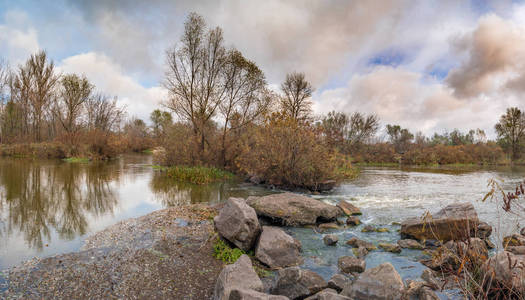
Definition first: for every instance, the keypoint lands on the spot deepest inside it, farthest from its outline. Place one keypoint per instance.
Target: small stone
(360, 252)
(356, 243)
(490, 245)
(353, 221)
(382, 229)
(428, 276)
(410, 244)
(394, 248)
(349, 264)
(338, 282)
(368, 228)
(483, 231)
(330, 239)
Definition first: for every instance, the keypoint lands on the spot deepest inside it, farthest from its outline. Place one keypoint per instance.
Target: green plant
(223, 251)
(197, 174)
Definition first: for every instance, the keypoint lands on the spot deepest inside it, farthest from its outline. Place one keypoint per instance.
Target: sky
(430, 66)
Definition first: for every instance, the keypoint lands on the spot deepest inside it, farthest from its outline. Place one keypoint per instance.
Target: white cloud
(110, 79)
(18, 39)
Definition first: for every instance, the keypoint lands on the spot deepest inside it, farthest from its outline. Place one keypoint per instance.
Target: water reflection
(38, 197)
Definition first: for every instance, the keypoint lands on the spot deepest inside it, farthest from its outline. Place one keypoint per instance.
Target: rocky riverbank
(169, 254)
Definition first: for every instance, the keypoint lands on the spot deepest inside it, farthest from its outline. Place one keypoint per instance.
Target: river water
(49, 206)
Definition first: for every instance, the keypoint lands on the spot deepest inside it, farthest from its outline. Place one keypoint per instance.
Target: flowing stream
(49, 207)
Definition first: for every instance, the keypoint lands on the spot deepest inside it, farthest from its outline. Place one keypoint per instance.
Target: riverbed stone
(353, 221)
(277, 249)
(394, 248)
(237, 222)
(330, 239)
(328, 294)
(246, 294)
(454, 253)
(356, 243)
(506, 270)
(360, 252)
(430, 279)
(410, 244)
(338, 282)
(349, 264)
(239, 275)
(418, 290)
(331, 225)
(293, 209)
(348, 208)
(483, 231)
(453, 222)
(297, 283)
(381, 282)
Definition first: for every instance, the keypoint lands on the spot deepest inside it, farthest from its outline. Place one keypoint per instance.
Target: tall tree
(511, 130)
(246, 97)
(399, 137)
(74, 92)
(161, 121)
(193, 76)
(343, 130)
(295, 102)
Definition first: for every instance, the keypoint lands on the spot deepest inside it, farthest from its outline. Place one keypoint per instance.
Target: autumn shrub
(37, 150)
(288, 153)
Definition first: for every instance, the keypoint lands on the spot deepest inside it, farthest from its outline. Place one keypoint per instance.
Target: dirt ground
(164, 255)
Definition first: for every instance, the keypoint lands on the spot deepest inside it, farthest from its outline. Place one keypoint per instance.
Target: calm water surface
(49, 206)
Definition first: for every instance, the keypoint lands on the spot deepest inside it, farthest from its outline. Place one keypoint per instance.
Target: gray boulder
(379, 283)
(296, 283)
(239, 275)
(293, 209)
(328, 294)
(277, 249)
(237, 222)
(349, 264)
(454, 222)
(246, 294)
(338, 282)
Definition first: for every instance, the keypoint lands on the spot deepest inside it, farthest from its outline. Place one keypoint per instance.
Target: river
(49, 207)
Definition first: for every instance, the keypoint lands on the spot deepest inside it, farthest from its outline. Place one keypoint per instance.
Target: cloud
(18, 39)
(109, 79)
(495, 58)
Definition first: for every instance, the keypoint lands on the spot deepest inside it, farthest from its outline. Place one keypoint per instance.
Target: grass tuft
(76, 160)
(195, 175)
(223, 251)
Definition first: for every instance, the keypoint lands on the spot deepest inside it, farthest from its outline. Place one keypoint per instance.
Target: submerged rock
(356, 243)
(381, 282)
(454, 222)
(360, 252)
(394, 248)
(330, 239)
(293, 209)
(330, 225)
(410, 244)
(237, 222)
(348, 208)
(296, 283)
(277, 249)
(353, 221)
(239, 275)
(349, 264)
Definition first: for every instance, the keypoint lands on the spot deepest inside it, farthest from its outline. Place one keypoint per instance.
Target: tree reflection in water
(37, 197)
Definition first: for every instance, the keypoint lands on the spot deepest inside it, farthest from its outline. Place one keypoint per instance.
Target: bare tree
(245, 98)
(295, 102)
(74, 92)
(343, 130)
(4, 79)
(193, 76)
(103, 113)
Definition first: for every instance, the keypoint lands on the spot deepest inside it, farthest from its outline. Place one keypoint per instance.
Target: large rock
(349, 264)
(410, 244)
(379, 283)
(506, 271)
(237, 222)
(457, 254)
(293, 209)
(296, 283)
(239, 275)
(348, 208)
(338, 282)
(328, 294)
(245, 294)
(454, 222)
(277, 249)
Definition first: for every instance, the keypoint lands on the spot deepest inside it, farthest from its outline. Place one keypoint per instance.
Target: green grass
(195, 175)
(147, 151)
(76, 160)
(222, 251)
